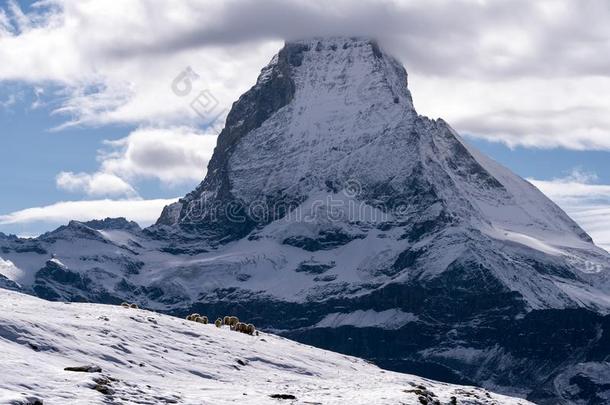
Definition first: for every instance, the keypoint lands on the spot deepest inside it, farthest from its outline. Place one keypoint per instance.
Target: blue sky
(34, 152)
(547, 164)
(91, 126)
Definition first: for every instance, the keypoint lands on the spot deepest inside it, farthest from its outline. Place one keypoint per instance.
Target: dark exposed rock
(23, 246)
(314, 268)
(54, 277)
(130, 265)
(84, 369)
(113, 224)
(282, 396)
(325, 240)
(407, 259)
(103, 385)
(326, 279)
(8, 284)
(29, 400)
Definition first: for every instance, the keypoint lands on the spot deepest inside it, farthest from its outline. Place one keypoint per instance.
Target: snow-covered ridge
(388, 319)
(146, 357)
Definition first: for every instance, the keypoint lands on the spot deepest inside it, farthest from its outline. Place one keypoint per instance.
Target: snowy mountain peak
(313, 92)
(113, 224)
(331, 113)
(333, 212)
(326, 150)
(355, 70)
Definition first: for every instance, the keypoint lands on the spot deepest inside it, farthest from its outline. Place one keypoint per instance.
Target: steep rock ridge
(334, 214)
(323, 92)
(274, 89)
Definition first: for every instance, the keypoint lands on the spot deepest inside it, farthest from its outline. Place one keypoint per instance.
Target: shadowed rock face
(54, 281)
(8, 284)
(272, 92)
(113, 224)
(330, 203)
(203, 211)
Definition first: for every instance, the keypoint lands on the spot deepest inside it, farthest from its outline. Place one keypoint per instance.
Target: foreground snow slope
(149, 358)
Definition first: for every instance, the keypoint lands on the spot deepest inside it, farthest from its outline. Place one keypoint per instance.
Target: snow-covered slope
(149, 358)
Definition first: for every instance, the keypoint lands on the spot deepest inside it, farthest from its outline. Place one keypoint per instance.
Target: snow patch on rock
(388, 319)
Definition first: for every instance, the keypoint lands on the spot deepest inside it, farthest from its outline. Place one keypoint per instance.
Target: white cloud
(571, 113)
(587, 203)
(97, 184)
(519, 72)
(76, 45)
(576, 189)
(595, 220)
(144, 212)
(10, 100)
(173, 155)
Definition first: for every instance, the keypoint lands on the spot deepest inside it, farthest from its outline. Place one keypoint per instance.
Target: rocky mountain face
(336, 215)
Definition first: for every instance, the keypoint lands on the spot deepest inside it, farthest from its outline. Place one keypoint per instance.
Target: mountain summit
(334, 214)
(315, 104)
(327, 149)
